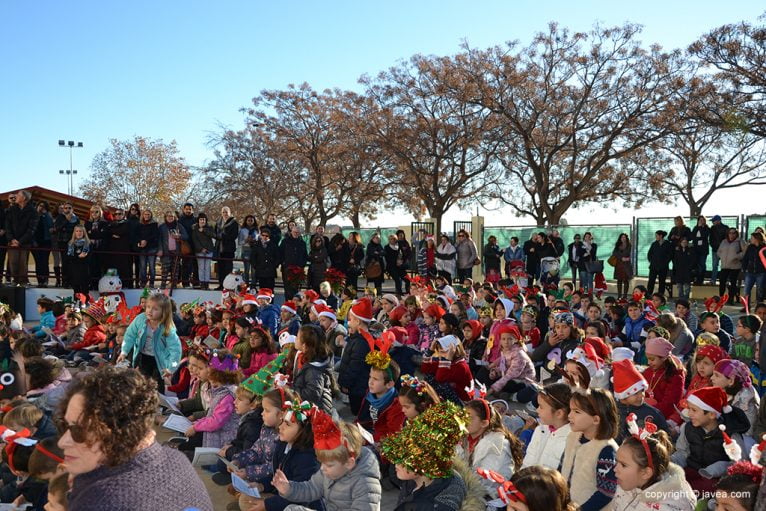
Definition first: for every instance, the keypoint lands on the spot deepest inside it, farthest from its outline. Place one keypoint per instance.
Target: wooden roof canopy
(54, 198)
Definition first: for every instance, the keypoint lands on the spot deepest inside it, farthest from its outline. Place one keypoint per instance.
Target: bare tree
(580, 115)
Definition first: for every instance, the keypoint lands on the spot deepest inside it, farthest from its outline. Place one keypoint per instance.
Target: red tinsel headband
(642, 434)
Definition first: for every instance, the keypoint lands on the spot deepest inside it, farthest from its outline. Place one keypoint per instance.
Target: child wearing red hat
(629, 389)
(475, 343)
(447, 370)
(513, 370)
(289, 321)
(665, 376)
(700, 445)
(353, 371)
(702, 369)
(429, 328)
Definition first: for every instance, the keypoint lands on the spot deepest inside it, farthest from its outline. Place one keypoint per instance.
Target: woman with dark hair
(397, 256)
(120, 236)
(248, 234)
(755, 272)
(133, 218)
(623, 267)
(110, 450)
(700, 241)
(317, 262)
(375, 263)
(339, 253)
(356, 255)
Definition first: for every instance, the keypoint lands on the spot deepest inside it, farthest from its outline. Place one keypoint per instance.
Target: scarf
(380, 403)
(395, 246)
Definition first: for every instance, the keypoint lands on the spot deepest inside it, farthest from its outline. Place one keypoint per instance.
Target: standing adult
(319, 233)
(513, 252)
(574, 250)
(679, 230)
(420, 253)
(356, 256)
(110, 452)
(755, 272)
(492, 256)
(396, 262)
(11, 205)
(42, 251)
(274, 231)
(588, 255)
(719, 231)
(134, 219)
(172, 233)
(203, 238)
(97, 228)
(292, 252)
(20, 226)
(226, 232)
(558, 243)
(659, 255)
(730, 252)
(339, 253)
(446, 257)
(265, 260)
(684, 262)
(189, 264)
(375, 263)
(147, 245)
(701, 242)
(63, 227)
(466, 255)
(120, 237)
(3, 239)
(318, 257)
(623, 268)
(406, 249)
(248, 235)
(532, 253)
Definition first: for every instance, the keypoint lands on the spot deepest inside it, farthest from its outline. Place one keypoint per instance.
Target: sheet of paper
(480, 362)
(11, 507)
(228, 463)
(169, 402)
(211, 342)
(177, 423)
(243, 486)
(205, 456)
(170, 394)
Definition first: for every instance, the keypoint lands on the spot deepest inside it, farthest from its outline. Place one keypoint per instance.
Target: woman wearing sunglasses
(111, 453)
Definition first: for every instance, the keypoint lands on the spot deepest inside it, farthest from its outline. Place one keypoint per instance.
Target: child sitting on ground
(629, 388)
(548, 441)
(733, 376)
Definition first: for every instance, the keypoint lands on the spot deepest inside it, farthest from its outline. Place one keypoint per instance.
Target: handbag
(596, 266)
(373, 270)
(186, 248)
(612, 261)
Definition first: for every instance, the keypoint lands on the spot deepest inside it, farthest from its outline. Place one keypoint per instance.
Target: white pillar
(477, 229)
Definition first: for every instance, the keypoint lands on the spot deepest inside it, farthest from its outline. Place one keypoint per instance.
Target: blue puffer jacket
(269, 317)
(167, 348)
(46, 320)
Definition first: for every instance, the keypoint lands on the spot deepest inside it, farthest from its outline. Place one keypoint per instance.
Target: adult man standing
(274, 230)
(20, 231)
(659, 256)
(718, 233)
(188, 264)
(319, 231)
(264, 257)
(63, 227)
(574, 250)
(558, 243)
(293, 252)
(226, 232)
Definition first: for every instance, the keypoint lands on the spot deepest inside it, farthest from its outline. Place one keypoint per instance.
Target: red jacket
(93, 335)
(390, 421)
(664, 393)
(456, 373)
(60, 327)
(199, 331)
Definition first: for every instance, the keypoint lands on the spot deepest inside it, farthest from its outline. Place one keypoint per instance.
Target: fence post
(634, 237)
(477, 227)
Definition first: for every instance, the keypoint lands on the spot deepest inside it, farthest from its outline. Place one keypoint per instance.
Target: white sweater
(547, 447)
(670, 493)
(492, 452)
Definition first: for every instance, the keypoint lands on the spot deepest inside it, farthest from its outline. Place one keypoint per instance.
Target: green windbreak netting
(646, 228)
(365, 233)
(754, 221)
(604, 236)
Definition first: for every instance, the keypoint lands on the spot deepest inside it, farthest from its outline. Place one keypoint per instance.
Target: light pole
(71, 172)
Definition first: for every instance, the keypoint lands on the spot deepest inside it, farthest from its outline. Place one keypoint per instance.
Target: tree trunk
(355, 219)
(695, 209)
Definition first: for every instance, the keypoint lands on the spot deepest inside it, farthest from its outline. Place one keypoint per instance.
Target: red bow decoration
(11, 442)
(713, 305)
(638, 296)
(746, 304)
(507, 491)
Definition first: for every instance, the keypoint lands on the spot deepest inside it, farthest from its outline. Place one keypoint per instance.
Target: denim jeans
(684, 290)
(203, 266)
(757, 279)
(150, 261)
(714, 270)
(586, 281)
(700, 272)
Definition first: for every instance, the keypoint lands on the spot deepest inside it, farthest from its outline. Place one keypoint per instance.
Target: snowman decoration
(232, 284)
(110, 290)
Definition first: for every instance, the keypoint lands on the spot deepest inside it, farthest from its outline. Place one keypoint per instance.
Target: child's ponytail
(482, 409)
(660, 448)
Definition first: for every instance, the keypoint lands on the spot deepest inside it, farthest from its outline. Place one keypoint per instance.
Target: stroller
(549, 270)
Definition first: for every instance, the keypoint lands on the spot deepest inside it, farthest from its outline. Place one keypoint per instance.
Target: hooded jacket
(670, 493)
(358, 490)
(314, 383)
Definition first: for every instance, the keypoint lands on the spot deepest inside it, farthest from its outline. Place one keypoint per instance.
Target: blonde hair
(23, 416)
(166, 308)
(459, 349)
(84, 235)
(349, 448)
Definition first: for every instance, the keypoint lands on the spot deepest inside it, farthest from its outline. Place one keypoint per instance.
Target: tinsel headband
(413, 382)
(506, 490)
(478, 391)
(642, 434)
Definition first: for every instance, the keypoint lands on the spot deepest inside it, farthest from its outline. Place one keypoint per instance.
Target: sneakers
(222, 478)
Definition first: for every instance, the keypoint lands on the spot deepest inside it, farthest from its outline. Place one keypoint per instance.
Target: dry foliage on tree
(442, 149)
(579, 115)
(143, 170)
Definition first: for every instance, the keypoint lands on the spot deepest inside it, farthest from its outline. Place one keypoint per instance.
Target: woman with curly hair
(110, 451)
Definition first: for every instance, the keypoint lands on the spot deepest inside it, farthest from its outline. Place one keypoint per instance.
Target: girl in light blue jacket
(152, 339)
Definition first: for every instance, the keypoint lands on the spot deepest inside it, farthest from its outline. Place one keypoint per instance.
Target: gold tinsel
(378, 360)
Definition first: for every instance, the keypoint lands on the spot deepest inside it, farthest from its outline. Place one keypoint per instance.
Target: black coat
(298, 465)
(683, 264)
(265, 259)
(375, 252)
(532, 252)
(149, 232)
(443, 494)
(492, 257)
(751, 262)
(707, 448)
(700, 239)
(314, 382)
(718, 234)
(353, 371)
(276, 233)
(339, 256)
(227, 234)
(248, 431)
(98, 233)
(189, 222)
(293, 252)
(676, 233)
(660, 255)
(20, 224)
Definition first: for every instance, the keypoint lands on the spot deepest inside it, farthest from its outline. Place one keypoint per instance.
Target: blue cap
(717, 218)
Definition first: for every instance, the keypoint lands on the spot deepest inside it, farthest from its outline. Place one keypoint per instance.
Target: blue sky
(90, 71)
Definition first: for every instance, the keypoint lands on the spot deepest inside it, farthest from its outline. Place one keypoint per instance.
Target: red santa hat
(310, 295)
(713, 352)
(398, 313)
(290, 307)
(265, 294)
(507, 328)
(362, 310)
(626, 379)
(586, 355)
(249, 300)
(325, 311)
(435, 311)
(710, 399)
(601, 348)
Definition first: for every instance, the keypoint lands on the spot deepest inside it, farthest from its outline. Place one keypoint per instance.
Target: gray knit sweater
(157, 478)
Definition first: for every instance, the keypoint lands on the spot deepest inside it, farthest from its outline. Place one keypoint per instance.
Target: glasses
(118, 213)
(78, 433)
(461, 236)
